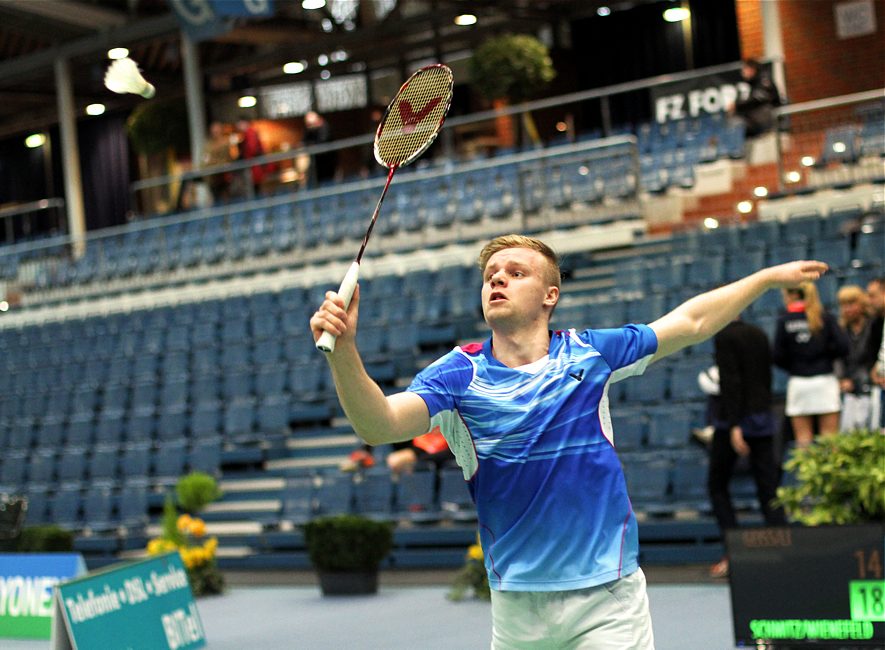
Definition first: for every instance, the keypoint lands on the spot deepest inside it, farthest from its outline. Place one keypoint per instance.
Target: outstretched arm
(701, 317)
(376, 418)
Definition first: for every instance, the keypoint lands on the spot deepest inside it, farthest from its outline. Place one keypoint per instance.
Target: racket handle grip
(326, 342)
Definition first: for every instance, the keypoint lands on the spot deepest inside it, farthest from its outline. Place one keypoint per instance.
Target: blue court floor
(692, 616)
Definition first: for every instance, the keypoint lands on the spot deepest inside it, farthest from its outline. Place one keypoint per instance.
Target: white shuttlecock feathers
(123, 76)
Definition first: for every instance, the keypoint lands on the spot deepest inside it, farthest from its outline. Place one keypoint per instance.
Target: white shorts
(813, 395)
(614, 616)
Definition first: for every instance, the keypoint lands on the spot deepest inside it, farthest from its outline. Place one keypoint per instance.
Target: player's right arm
(376, 418)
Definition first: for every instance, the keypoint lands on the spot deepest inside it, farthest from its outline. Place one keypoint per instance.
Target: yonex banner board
(140, 605)
(26, 583)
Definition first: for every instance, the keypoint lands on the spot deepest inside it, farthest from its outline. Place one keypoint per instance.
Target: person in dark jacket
(807, 343)
(854, 370)
(743, 426)
(756, 110)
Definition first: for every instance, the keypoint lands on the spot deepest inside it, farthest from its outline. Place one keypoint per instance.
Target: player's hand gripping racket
(410, 125)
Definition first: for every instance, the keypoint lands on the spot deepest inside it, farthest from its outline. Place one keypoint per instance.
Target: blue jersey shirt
(536, 446)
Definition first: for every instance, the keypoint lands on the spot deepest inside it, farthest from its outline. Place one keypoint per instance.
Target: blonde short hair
(521, 241)
(851, 293)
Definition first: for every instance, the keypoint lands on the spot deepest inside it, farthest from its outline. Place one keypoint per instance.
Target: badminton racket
(409, 126)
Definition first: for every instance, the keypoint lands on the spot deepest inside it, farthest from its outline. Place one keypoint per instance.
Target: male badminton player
(526, 415)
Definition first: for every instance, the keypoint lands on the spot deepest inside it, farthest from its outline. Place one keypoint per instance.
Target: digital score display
(803, 587)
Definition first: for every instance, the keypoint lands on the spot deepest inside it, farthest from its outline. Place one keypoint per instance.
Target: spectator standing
(756, 110)
(216, 153)
(876, 295)
(322, 165)
(807, 342)
(854, 370)
(250, 147)
(743, 426)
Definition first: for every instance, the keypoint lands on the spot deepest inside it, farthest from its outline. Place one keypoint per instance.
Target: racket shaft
(326, 342)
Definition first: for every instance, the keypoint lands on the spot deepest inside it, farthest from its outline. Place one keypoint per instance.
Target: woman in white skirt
(807, 342)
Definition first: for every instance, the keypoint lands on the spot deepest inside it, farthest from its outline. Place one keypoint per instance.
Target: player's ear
(552, 296)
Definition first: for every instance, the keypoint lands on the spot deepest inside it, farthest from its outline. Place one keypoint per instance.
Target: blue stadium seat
(41, 468)
(629, 430)
(65, 509)
(103, 465)
(71, 467)
(273, 413)
(206, 420)
(648, 483)
(140, 426)
(298, 500)
(205, 456)
(416, 497)
(169, 463)
(172, 423)
(237, 384)
(689, 482)
(38, 506)
(98, 509)
(334, 494)
(13, 468)
(270, 380)
(454, 497)
(373, 493)
(133, 506)
(109, 426)
(669, 426)
(135, 461)
(239, 419)
(50, 433)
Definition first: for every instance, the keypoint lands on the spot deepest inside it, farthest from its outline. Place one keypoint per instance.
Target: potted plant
(511, 68)
(346, 551)
(186, 533)
(838, 480)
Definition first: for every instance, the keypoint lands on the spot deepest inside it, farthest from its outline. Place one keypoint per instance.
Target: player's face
(515, 287)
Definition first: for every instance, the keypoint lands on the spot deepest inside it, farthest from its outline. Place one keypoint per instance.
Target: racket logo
(410, 118)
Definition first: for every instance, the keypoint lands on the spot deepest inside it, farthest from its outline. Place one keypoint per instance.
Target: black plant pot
(348, 583)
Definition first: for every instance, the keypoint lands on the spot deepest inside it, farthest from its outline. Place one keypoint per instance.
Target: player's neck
(520, 347)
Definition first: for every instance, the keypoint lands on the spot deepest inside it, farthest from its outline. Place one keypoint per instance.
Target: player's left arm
(701, 317)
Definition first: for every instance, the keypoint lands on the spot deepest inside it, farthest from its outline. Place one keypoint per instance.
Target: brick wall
(817, 63)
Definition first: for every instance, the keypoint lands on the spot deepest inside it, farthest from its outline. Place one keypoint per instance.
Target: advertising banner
(146, 604)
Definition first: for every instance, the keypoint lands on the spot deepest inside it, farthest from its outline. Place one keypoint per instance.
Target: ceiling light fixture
(118, 53)
(35, 140)
(603, 11)
(95, 109)
(247, 101)
(313, 4)
(294, 67)
(676, 14)
(465, 20)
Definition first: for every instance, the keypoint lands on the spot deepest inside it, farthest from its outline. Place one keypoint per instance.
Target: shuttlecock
(123, 76)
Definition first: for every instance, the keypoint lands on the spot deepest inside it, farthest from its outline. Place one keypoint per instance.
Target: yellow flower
(184, 523)
(211, 545)
(475, 552)
(198, 527)
(155, 546)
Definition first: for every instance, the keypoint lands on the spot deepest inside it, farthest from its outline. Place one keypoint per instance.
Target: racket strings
(414, 117)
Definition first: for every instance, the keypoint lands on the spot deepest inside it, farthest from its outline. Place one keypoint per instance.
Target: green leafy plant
(45, 539)
(347, 543)
(195, 491)
(472, 579)
(158, 126)
(515, 66)
(839, 480)
(187, 535)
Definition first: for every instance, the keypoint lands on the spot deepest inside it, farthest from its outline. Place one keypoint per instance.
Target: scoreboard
(803, 587)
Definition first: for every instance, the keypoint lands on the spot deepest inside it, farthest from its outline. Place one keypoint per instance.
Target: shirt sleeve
(628, 349)
(442, 383)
